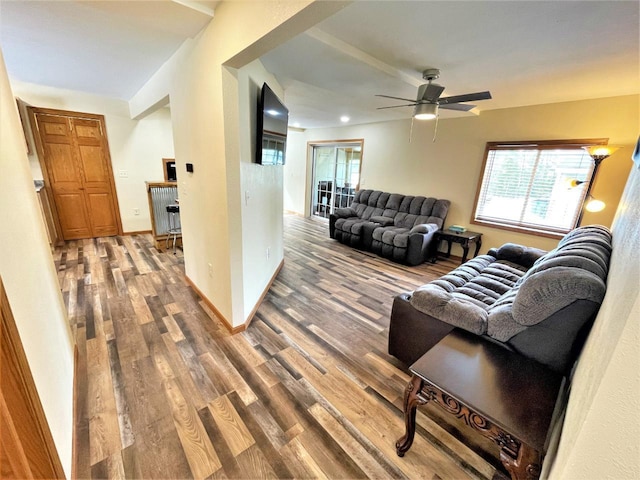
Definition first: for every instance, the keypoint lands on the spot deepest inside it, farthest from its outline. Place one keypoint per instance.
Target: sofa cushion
(464, 296)
(453, 309)
(351, 225)
(392, 236)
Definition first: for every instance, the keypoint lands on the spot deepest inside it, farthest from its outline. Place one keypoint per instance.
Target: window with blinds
(532, 186)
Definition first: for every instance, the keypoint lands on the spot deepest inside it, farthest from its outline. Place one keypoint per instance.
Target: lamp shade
(425, 111)
(600, 152)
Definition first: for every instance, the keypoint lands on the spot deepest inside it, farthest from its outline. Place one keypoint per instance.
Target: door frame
(311, 166)
(26, 436)
(32, 111)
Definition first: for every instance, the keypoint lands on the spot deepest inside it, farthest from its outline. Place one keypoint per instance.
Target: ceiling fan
(428, 101)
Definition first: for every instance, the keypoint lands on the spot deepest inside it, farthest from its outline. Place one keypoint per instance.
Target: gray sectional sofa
(399, 227)
(540, 304)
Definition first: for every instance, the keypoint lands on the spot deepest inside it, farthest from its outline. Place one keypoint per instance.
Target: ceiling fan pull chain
(411, 130)
(435, 130)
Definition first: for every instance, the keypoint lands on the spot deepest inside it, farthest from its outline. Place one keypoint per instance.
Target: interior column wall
(31, 281)
(205, 102)
(260, 191)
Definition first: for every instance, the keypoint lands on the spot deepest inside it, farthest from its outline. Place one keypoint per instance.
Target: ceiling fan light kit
(425, 111)
(428, 100)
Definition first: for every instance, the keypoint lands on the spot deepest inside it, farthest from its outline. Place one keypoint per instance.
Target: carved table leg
(411, 402)
(478, 245)
(526, 466)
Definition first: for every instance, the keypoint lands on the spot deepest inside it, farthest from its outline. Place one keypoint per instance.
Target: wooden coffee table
(504, 396)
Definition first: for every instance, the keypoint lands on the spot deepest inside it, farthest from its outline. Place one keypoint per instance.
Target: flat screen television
(271, 130)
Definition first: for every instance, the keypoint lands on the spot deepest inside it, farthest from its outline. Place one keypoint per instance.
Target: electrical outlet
(136, 211)
(123, 173)
(211, 270)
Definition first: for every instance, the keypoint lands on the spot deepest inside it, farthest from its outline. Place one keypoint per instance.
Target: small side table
(507, 398)
(464, 239)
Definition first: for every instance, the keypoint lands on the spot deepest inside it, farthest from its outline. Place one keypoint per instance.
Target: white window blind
(529, 187)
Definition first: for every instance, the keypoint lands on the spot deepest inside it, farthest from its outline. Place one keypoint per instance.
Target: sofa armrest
(424, 228)
(339, 213)
(525, 256)
(420, 243)
(384, 221)
(345, 212)
(549, 291)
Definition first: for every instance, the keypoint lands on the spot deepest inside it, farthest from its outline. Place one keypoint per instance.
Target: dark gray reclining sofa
(539, 304)
(399, 227)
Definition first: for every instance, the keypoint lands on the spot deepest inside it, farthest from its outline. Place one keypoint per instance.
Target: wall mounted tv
(271, 130)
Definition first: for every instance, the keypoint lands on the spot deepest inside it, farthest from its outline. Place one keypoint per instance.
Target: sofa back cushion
(369, 203)
(406, 210)
(420, 210)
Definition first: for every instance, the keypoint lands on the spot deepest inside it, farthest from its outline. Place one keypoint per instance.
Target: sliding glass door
(336, 175)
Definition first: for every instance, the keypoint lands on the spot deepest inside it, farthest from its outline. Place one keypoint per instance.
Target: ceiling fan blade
(457, 106)
(396, 106)
(469, 97)
(397, 98)
(431, 93)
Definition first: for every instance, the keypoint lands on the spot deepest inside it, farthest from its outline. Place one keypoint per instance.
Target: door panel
(62, 171)
(102, 221)
(73, 216)
(93, 165)
(56, 126)
(79, 175)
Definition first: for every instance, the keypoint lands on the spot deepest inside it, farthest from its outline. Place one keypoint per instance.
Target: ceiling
(108, 48)
(524, 52)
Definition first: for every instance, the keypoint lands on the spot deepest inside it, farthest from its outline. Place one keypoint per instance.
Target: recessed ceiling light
(344, 119)
(296, 124)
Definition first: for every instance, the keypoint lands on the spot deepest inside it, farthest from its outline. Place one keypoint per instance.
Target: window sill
(514, 228)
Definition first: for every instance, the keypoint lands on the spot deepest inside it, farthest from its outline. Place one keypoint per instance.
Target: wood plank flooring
(307, 391)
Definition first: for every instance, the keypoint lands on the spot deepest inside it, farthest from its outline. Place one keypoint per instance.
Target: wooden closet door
(79, 174)
(96, 177)
(65, 175)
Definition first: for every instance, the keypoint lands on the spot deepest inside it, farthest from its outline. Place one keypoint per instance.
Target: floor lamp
(598, 153)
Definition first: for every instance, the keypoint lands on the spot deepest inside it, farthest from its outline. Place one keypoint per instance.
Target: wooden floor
(307, 391)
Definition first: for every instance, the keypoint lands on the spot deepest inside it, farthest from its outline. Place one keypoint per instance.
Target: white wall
(260, 192)
(450, 167)
(600, 438)
(29, 275)
(136, 146)
(207, 101)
